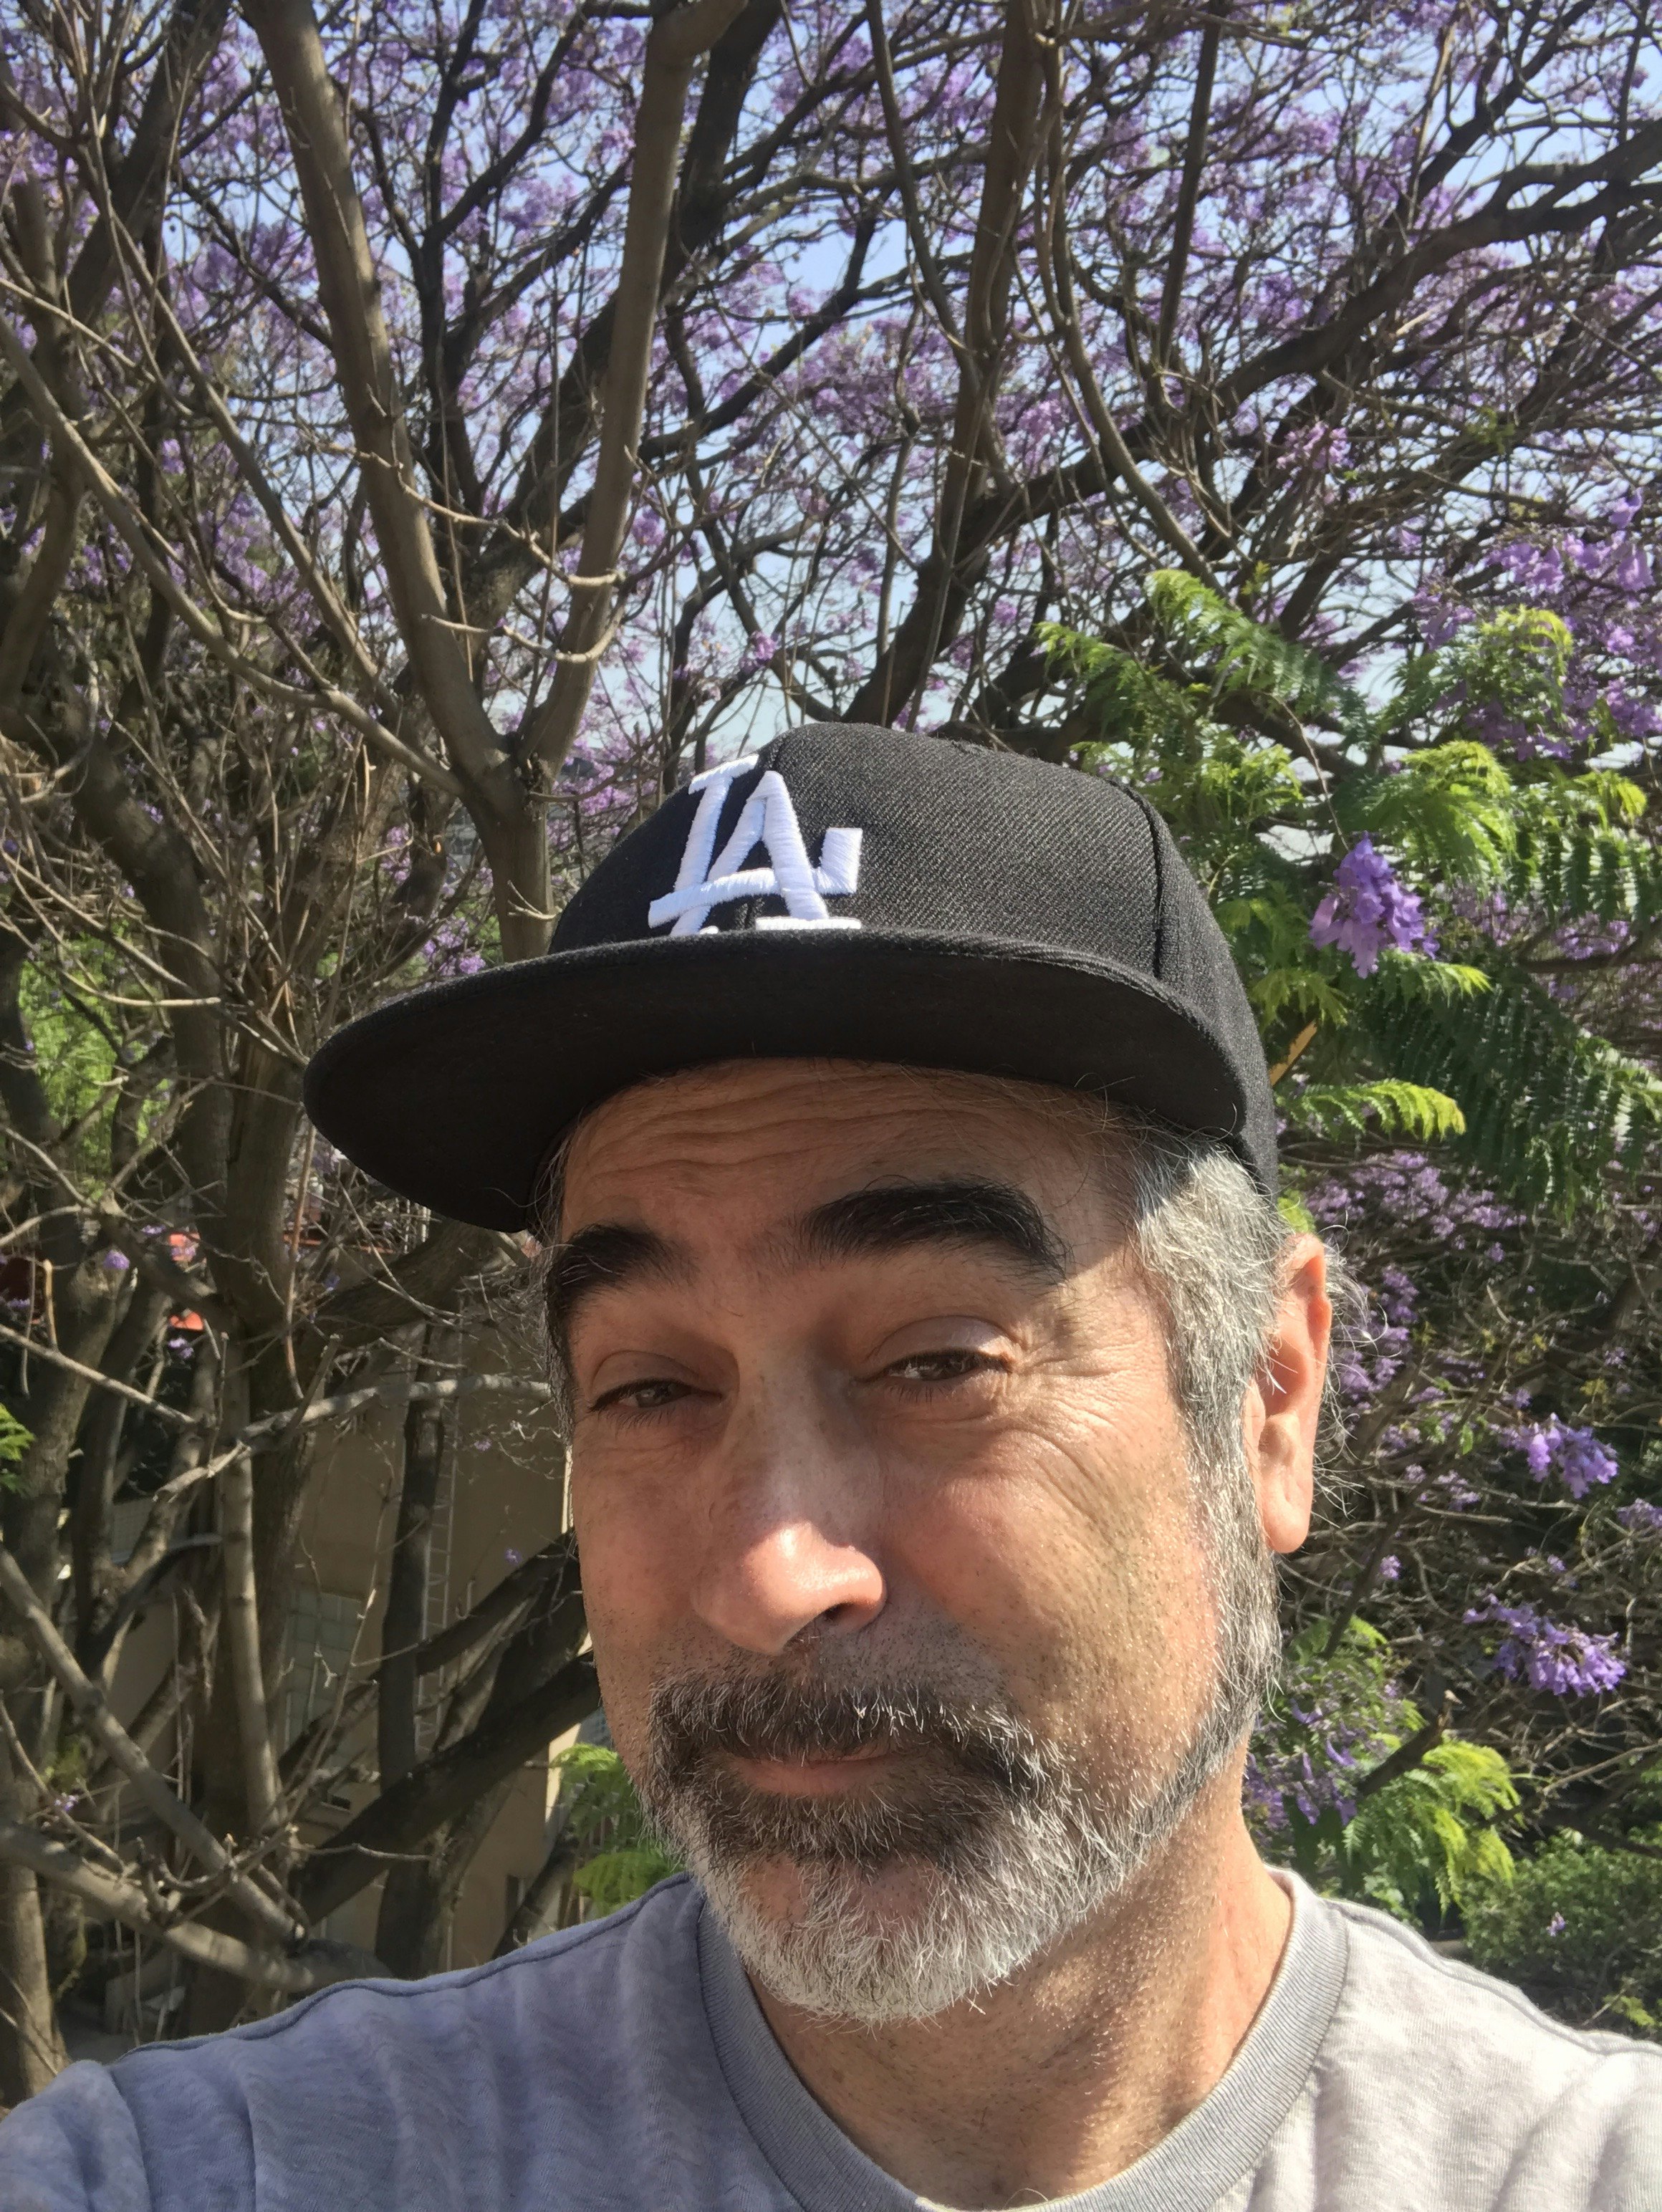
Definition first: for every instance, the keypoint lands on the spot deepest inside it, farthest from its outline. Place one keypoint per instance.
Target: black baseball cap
(847, 893)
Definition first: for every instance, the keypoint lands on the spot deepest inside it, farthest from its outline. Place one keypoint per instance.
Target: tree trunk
(419, 1901)
(426, 1432)
(31, 2049)
(84, 1311)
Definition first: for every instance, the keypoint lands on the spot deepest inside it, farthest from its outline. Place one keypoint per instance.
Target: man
(942, 1384)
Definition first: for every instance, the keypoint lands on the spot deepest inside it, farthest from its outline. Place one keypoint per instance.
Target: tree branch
(674, 46)
(444, 1786)
(90, 1702)
(1029, 32)
(289, 38)
(1408, 1755)
(1194, 160)
(313, 1965)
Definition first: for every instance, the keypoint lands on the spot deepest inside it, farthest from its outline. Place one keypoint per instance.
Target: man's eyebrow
(604, 1256)
(897, 1215)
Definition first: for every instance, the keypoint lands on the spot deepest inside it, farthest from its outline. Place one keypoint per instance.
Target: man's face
(887, 1528)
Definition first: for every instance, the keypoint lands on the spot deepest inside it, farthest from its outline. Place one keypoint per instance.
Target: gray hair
(1213, 1246)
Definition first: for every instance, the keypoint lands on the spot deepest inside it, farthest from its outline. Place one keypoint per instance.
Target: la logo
(707, 879)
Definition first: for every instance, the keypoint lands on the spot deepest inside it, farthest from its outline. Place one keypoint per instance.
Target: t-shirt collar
(1222, 2140)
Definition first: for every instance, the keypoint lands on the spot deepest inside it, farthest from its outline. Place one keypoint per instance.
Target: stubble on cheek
(1093, 1571)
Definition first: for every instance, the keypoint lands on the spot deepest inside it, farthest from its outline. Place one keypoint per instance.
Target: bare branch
(90, 1702)
(98, 1379)
(1029, 33)
(288, 33)
(313, 1965)
(242, 1634)
(674, 46)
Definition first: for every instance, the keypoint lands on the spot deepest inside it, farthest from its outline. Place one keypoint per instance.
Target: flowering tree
(1440, 894)
(428, 435)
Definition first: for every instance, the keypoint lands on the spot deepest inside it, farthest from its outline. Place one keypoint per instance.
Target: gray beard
(998, 1845)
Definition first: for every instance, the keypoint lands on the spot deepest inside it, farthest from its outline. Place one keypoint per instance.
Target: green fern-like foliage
(1449, 811)
(612, 1879)
(1245, 660)
(1417, 1845)
(1455, 1045)
(1548, 1107)
(1142, 709)
(1389, 1107)
(1514, 663)
(1429, 1834)
(1578, 870)
(620, 1859)
(1575, 855)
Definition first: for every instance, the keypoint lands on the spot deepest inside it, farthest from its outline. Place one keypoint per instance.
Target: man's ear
(1283, 1407)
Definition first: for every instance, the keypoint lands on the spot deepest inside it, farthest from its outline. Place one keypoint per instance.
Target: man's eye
(651, 1396)
(951, 1366)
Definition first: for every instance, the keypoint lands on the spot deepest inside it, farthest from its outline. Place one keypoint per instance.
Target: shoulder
(1395, 1974)
(565, 1987)
(364, 2075)
(73, 2148)
(1462, 2074)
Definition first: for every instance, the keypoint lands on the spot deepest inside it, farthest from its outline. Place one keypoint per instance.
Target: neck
(1068, 2072)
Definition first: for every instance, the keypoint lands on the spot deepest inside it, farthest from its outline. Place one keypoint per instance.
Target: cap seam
(1152, 824)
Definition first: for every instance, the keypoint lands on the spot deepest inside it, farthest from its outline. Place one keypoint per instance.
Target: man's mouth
(827, 1775)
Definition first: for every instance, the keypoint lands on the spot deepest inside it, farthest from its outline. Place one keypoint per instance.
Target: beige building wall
(501, 1498)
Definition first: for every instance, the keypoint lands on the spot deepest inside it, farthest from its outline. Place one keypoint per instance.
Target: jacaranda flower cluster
(1549, 1655)
(1367, 909)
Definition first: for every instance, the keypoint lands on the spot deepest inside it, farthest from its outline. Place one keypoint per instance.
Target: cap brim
(455, 1096)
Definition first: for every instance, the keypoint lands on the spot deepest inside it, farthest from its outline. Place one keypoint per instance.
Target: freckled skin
(924, 1450)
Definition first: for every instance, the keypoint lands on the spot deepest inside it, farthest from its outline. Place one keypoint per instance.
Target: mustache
(695, 1719)
(976, 1763)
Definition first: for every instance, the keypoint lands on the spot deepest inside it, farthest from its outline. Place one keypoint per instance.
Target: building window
(323, 1631)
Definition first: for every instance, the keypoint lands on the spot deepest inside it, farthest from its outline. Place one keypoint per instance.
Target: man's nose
(790, 1540)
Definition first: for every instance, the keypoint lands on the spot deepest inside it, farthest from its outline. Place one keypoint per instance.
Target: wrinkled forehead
(745, 1141)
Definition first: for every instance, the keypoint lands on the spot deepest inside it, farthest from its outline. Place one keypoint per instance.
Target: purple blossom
(1559, 1658)
(1367, 909)
(1632, 571)
(1307, 1768)
(1581, 1460)
(1537, 571)
(1321, 448)
(1642, 1518)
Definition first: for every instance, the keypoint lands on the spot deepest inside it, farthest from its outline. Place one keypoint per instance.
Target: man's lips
(815, 1777)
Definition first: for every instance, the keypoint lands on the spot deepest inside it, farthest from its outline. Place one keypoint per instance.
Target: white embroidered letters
(707, 879)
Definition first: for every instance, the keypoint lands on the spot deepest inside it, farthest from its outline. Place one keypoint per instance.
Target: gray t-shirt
(626, 2067)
